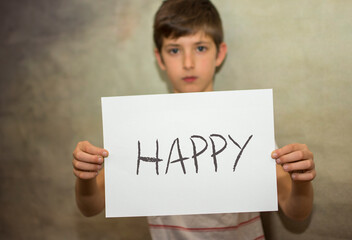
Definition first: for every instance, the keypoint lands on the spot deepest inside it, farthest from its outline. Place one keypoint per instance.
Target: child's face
(190, 62)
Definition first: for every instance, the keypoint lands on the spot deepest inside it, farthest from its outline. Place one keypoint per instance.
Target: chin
(190, 89)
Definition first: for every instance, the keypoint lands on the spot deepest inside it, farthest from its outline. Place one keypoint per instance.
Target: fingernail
(105, 154)
(274, 155)
(278, 161)
(285, 167)
(100, 160)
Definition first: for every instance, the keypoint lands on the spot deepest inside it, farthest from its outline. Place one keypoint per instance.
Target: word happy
(216, 150)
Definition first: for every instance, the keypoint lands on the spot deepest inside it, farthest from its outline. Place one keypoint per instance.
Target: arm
(295, 171)
(90, 193)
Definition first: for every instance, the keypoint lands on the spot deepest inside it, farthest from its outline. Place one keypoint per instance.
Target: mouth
(189, 79)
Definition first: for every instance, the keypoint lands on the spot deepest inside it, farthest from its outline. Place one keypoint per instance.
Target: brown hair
(177, 18)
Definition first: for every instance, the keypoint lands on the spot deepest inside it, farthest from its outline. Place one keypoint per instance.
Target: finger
(87, 147)
(85, 157)
(305, 165)
(288, 149)
(306, 176)
(83, 166)
(84, 175)
(294, 156)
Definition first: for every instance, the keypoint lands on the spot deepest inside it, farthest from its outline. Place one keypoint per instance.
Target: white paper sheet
(147, 136)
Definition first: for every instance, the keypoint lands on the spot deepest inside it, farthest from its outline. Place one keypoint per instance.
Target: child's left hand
(297, 160)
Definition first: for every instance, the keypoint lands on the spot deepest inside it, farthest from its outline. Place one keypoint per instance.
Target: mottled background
(57, 58)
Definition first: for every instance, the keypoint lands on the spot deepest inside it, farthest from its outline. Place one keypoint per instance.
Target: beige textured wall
(57, 58)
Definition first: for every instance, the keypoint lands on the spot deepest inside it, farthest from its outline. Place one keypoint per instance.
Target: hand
(297, 160)
(88, 160)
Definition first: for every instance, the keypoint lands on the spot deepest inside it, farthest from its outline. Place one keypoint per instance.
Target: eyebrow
(177, 45)
(172, 45)
(202, 42)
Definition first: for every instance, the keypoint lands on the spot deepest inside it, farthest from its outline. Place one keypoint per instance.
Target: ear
(221, 54)
(159, 59)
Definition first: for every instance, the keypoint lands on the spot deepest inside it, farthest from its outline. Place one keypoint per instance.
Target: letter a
(180, 158)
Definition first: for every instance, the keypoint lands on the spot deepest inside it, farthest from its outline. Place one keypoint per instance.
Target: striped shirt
(226, 226)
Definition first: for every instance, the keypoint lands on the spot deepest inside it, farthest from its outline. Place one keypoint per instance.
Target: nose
(188, 61)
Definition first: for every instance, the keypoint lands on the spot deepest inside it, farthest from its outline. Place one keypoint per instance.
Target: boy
(189, 47)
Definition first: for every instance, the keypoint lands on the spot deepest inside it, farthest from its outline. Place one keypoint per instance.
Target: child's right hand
(88, 160)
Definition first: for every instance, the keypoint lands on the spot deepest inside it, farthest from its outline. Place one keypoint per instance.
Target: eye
(173, 50)
(201, 48)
